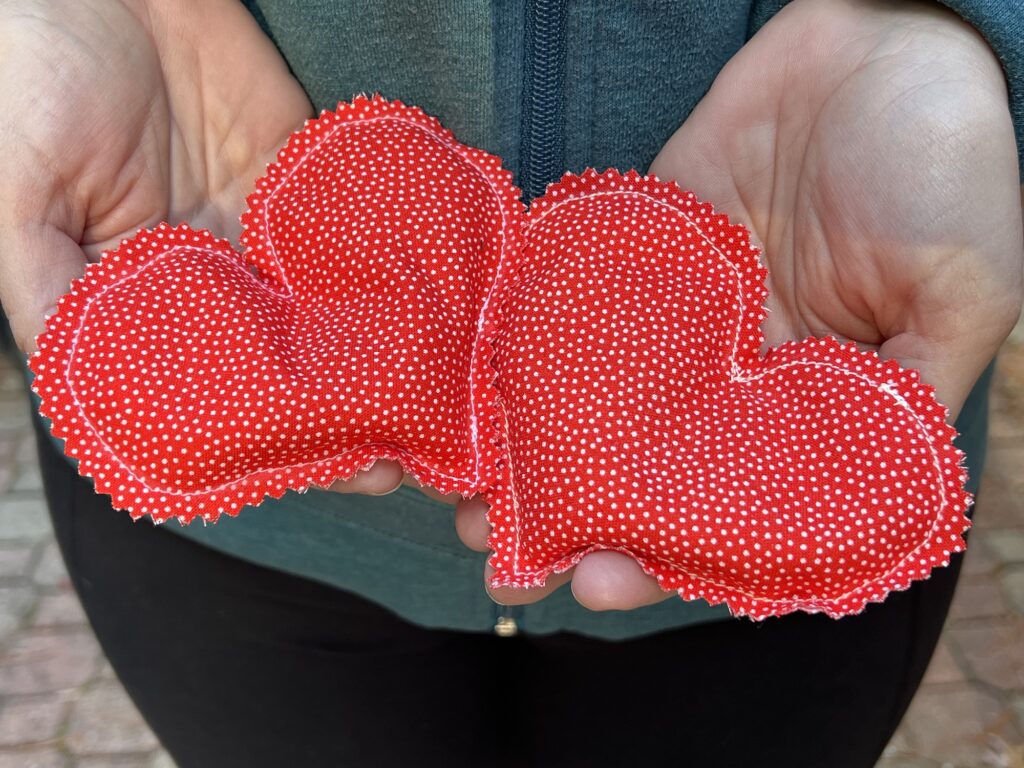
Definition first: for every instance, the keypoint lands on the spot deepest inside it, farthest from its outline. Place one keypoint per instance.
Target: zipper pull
(506, 626)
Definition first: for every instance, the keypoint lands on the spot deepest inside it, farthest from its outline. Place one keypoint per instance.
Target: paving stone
(1010, 370)
(14, 414)
(892, 753)
(1007, 544)
(999, 500)
(1004, 432)
(105, 671)
(24, 518)
(943, 667)
(978, 597)
(41, 662)
(8, 448)
(1004, 754)
(1017, 706)
(979, 560)
(61, 609)
(14, 561)
(954, 724)
(26, 454)
(114, 761)
(50, 570)
(993, 649)
(897, 745)
(11, 382)
(1014, 344)
(105, 721)
(44, 758)
(162, 760)
(1013, 586)
(15, 604)
(31, 720)
(907, 761)
(28, 479)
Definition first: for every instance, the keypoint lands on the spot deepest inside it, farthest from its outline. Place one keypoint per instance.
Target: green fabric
(633, 72)
(436, 54)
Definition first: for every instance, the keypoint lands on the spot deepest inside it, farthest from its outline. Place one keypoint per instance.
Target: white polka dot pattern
(593, 368)
(190, 381)
(641, 418)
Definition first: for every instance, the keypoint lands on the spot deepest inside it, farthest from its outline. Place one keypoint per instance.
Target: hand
(869, 149)
(119, 114)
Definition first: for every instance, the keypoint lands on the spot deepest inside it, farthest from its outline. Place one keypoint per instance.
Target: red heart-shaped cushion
(642, 418)
(189, 380)
(592, 368)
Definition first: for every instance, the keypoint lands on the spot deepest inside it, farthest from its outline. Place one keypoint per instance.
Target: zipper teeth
(541, 139)
(541, 149)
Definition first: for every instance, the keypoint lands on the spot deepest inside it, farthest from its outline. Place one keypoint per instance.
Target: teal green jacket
(550, 87)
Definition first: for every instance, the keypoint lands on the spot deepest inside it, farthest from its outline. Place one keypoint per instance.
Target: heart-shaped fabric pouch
(592, 367)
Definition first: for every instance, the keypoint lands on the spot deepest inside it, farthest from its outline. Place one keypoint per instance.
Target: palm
(870, 151)
(134, 118)
(875, 164)
(139, 113)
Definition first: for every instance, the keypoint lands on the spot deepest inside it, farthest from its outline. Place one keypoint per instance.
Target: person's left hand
(870, 151)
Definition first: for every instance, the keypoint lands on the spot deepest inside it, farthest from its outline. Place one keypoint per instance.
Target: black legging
(233, 664)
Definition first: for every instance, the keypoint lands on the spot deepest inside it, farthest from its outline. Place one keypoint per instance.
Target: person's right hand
(116, 115)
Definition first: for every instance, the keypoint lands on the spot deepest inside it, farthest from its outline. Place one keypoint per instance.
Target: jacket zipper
(541, 144)
(540, 149)
(505, 624)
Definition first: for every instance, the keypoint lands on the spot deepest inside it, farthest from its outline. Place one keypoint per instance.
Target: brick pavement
(60, 704)
(62, 707)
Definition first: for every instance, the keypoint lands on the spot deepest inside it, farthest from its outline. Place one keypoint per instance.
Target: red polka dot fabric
(591, 366)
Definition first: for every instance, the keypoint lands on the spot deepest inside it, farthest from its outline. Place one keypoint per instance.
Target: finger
(607, 580)
(426, 490)
(518, 596)
(949, 338)
(938, 370)
(37, 264)
(471, 523)
(382, 478)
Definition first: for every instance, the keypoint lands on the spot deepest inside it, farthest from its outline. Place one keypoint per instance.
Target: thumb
(952, 321)
(37, 264)
(952, 368)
